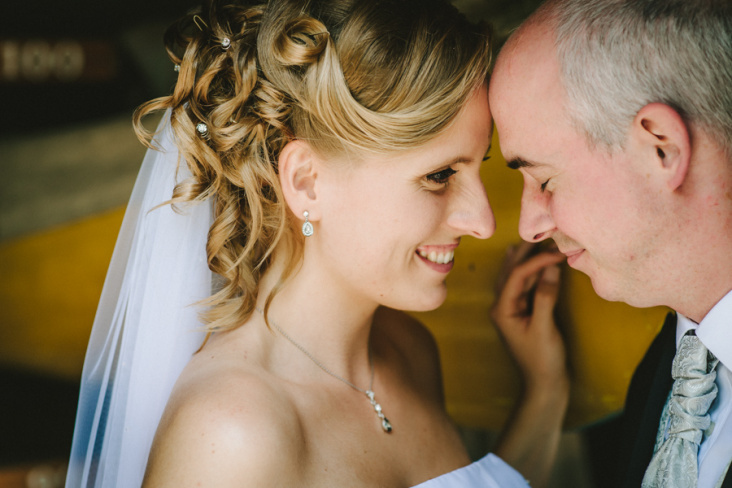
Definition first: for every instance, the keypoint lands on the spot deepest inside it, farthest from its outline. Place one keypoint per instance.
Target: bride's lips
(439, 258)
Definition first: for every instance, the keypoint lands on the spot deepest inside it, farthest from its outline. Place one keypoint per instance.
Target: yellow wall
(51, 282)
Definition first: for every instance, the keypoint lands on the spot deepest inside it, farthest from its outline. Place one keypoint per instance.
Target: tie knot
(693, 360)
(685, 417)
(693, 390)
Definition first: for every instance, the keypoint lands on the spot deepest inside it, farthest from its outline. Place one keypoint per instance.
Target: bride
(329, 167)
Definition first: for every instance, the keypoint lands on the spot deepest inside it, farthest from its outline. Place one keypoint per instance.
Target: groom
(618, 113)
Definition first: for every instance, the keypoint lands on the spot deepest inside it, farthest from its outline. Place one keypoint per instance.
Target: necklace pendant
(307, 229)
(385, 424)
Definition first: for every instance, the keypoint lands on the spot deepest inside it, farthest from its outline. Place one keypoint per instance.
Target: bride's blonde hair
(348, 76)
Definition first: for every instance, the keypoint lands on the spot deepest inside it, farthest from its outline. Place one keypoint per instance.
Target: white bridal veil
(146, 327)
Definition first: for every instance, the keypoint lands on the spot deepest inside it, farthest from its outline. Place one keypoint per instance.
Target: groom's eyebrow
(517, 163)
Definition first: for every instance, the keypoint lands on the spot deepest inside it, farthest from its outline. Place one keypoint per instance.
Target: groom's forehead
(526, 80)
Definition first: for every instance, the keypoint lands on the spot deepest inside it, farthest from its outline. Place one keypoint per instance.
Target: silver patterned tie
(674, 463)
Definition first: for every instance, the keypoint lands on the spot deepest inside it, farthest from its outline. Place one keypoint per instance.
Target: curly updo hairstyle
(349, 76)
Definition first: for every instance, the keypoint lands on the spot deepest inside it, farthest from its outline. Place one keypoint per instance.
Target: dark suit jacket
(647, 395)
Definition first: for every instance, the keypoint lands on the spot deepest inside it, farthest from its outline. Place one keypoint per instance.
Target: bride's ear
(298, 171)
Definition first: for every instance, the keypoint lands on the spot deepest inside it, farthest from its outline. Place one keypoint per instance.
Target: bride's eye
(441, 177)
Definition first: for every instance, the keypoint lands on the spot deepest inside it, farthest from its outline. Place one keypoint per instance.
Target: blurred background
(71, 73)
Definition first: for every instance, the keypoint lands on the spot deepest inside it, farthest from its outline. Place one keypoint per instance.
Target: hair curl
(348, 76)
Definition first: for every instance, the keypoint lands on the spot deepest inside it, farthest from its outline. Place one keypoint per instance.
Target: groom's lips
(573, 256)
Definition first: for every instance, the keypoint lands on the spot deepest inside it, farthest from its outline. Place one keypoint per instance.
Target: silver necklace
(385, 424)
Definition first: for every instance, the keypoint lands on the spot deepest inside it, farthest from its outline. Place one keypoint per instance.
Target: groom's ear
(664, 140)
(298, 172)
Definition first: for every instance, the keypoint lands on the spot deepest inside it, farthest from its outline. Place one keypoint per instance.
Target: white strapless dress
(489, 472)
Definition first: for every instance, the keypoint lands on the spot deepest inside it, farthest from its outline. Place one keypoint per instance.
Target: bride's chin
(428, 302)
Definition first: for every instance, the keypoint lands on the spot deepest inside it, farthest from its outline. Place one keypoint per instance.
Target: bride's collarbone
(332, 435)
(347, 445)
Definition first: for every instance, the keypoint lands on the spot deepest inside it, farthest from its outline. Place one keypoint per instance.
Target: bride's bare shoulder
(225, 425)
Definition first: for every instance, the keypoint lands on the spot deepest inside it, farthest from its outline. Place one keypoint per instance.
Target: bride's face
(390, 226)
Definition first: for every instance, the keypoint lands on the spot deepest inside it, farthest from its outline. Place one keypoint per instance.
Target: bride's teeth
(439, 258)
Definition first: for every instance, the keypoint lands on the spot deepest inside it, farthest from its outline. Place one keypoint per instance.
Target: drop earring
(307, 227)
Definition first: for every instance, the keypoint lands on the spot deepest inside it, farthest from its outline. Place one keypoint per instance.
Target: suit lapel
(728, 479)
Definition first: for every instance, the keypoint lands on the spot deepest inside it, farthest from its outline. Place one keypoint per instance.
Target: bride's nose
(470, 212)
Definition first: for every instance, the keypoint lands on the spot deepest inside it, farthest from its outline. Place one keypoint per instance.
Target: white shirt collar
(715, 330)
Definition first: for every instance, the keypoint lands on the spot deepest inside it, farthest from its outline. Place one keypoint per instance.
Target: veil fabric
(146, 327)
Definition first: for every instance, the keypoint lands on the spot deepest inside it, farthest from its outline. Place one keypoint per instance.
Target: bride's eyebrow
(458, 160)
(450, 162)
